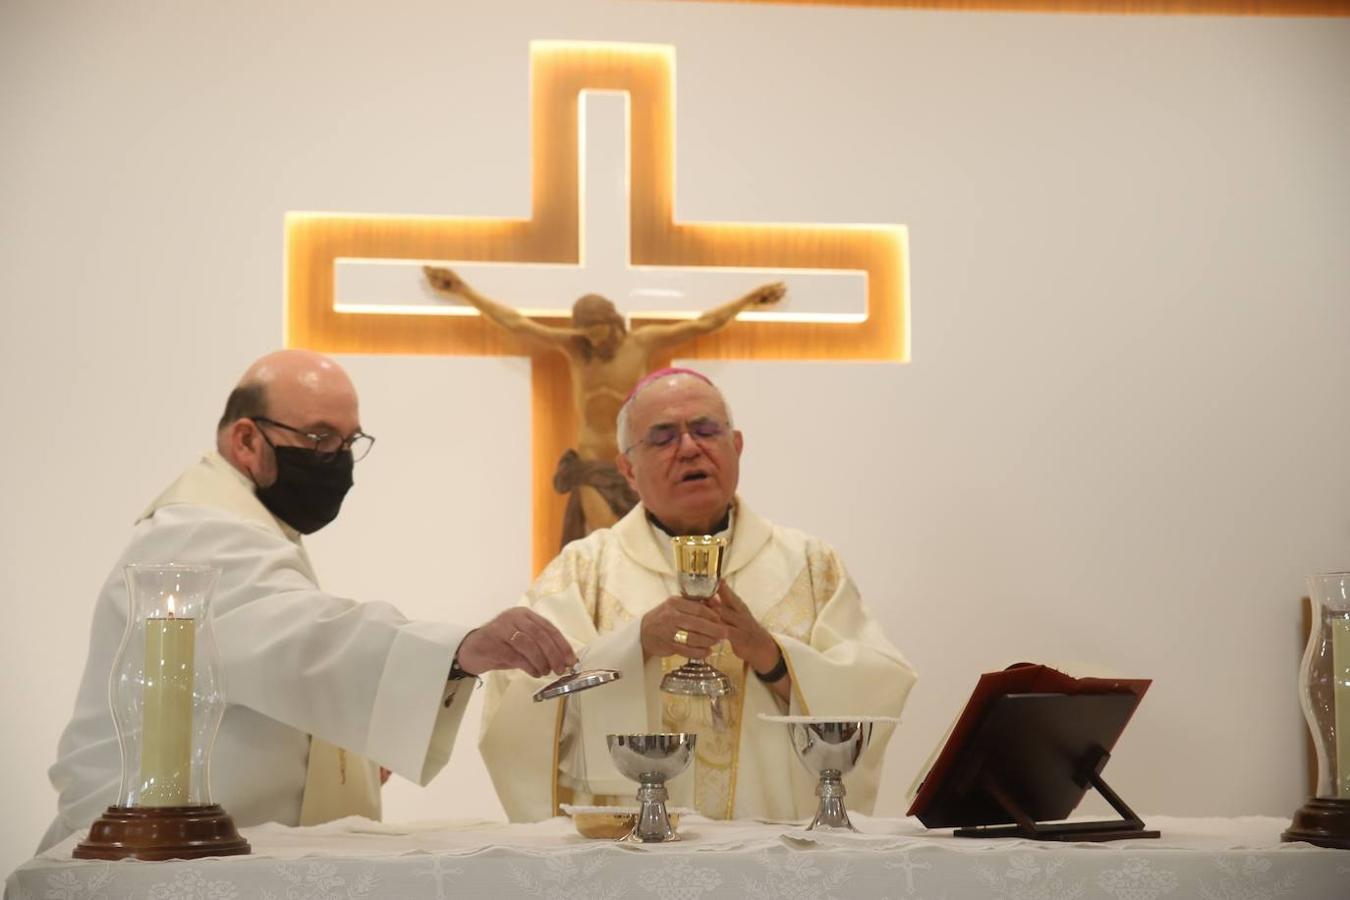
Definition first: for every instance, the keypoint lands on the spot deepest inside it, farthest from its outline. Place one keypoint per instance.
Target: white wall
(1122, 438)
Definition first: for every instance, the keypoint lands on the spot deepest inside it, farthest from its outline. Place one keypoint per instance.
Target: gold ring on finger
(681, 637)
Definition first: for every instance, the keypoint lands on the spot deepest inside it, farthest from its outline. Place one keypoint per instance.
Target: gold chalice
(698, 561)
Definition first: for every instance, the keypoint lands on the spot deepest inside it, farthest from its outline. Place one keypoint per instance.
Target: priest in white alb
(787, 627)
(321, 691)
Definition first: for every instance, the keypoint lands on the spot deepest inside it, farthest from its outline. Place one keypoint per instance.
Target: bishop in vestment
(787, 627)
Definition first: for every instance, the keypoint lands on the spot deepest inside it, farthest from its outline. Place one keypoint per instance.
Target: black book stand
(1029, 761)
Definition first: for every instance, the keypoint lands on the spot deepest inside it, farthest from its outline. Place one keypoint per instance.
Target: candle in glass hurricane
(1324, 691)
(166, 699)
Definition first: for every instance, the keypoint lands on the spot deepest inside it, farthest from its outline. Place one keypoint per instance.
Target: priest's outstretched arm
(357, 674)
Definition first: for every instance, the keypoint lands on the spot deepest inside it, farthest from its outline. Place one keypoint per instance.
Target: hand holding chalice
(698, 564)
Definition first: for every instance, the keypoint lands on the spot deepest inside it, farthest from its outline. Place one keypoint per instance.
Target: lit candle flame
(171, 606)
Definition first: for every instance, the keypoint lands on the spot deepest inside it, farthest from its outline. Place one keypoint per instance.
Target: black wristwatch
(777, 672)
(456, 673)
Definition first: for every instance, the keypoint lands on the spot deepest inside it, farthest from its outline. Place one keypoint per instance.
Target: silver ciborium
(650, 760)
(829, 748)
(698, 562)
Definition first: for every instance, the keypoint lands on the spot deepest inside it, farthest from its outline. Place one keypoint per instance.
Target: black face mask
(308, 492)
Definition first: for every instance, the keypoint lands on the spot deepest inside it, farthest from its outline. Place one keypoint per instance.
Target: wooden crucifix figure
(606, 360)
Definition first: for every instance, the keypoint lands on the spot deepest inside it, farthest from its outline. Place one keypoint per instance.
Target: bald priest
(321, 691)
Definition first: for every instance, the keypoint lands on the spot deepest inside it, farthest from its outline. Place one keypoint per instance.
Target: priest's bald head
(292, 426)
(679, 450)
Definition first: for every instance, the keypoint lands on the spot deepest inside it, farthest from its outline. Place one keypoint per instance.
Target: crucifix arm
(449, 282)
(665, 335)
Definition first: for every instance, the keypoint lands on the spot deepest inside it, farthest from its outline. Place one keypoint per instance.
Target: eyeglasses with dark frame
(667, 434)
(327, 446)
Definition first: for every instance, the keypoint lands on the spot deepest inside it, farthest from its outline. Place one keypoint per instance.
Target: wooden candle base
(1322, 821)
(165, 832)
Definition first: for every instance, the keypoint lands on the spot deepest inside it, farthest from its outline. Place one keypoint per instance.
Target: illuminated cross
(353, 282)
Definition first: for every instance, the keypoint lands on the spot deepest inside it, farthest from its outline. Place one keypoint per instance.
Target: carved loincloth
(573, 473)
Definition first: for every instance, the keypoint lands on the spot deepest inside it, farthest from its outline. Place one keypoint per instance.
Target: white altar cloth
(892, 858)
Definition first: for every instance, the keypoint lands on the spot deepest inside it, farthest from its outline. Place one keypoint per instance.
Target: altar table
(892, 858)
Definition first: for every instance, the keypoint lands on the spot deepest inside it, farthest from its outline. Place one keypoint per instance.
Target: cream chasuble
(295, 662)
(596, 592)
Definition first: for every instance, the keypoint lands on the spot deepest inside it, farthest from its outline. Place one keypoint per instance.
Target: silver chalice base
(650, 760)
(699, 586)
(829, 748)
(696, 679)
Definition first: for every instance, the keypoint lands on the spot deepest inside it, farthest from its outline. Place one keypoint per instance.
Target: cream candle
(166, 734)
(1340, 668)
